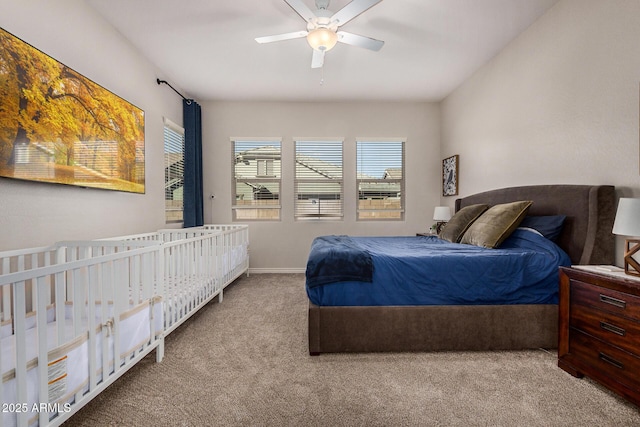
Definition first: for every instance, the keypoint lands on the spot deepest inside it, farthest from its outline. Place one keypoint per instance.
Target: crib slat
(93, 282)
(118, 307)
(41, 285)
(108, 275)
(6, 303)
(19, 309)
(59, 296)
(77, 301)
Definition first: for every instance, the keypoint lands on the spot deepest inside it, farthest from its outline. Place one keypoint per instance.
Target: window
(318, 179)
(256, 180)
(380, 180)
(173, 171)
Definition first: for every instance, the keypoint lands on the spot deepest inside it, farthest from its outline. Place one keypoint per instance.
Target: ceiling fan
(322, 28)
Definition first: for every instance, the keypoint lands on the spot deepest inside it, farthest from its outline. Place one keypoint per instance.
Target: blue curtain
(193, 198)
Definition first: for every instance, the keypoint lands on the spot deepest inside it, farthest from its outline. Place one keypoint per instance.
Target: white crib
(199, 262)
(74, 317)
(235, 251)
(68, 309)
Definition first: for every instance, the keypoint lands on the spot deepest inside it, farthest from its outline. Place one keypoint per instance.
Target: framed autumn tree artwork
(58, 126)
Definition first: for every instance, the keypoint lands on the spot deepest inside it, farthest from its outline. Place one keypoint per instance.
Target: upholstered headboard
(590, 210)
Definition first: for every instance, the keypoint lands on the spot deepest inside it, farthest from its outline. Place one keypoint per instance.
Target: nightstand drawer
(605, 299)
(599, 329)
(615, 363)
(618, 331)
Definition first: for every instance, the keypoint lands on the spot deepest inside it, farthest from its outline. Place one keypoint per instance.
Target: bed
(585, 237)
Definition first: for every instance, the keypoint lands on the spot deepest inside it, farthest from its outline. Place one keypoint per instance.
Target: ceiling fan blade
(280, 37)
(351, 10)
(360, 41)
(301, 9)
(317, 61)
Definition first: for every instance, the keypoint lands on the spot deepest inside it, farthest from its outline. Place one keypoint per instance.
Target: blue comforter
(337, 259)
(429, 271)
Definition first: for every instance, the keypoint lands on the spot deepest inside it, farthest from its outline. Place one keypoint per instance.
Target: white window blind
(318, 183)
(173, 171)
(256, 169)
(380, 180)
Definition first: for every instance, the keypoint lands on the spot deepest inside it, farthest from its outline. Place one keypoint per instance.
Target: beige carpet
(244, 362)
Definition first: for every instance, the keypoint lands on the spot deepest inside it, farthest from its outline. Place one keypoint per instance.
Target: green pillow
(496, 224)
(460, 222)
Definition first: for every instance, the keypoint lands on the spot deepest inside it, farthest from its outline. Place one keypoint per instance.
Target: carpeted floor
(244, 362)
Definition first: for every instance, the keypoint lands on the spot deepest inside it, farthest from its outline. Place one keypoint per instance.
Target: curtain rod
(174, 89)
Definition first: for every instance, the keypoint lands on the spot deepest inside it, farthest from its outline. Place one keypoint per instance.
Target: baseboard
(276, 270)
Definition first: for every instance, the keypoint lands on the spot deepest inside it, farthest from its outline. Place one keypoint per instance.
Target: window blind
(380, 180)
(318, 182)
(173, 171)
(256, 169)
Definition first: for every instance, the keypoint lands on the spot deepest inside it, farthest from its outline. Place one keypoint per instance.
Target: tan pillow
(496, 224)
(460, 222)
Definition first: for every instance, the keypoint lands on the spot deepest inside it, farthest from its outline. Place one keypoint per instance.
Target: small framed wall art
(450, 176)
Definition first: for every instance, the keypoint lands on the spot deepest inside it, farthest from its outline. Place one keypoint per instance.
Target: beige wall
(33, 214)
(284, 245)
(558, 105)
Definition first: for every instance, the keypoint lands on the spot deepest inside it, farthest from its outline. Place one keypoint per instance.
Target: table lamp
(627, 223)
(441, 214)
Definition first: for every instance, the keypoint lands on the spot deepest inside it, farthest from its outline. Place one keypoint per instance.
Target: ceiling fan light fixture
(322, 39)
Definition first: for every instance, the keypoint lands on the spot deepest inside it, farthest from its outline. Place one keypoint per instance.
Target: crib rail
(235, 258)
(199, 262)
(76, 303)
(190, 275)
(21, 260)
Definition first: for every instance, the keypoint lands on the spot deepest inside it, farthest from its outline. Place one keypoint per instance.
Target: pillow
(496, 224)
(550, 226)
(460, 222)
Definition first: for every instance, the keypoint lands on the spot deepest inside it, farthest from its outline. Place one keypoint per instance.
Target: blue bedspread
(337, 259)
(429, 271)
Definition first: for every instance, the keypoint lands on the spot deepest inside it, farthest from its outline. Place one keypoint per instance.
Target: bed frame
(586, 237)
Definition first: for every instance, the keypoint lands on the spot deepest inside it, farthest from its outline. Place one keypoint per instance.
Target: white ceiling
(207, 47)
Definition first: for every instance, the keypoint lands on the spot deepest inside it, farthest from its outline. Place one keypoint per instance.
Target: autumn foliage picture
(58, 126)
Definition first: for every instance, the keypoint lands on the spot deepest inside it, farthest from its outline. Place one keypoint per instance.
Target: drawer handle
(613, 301)
(610, 360)
(613, 328)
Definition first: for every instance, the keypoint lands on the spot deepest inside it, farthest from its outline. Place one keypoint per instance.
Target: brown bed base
(586, 237)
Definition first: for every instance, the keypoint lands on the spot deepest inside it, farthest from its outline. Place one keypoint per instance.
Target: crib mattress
(69, 363)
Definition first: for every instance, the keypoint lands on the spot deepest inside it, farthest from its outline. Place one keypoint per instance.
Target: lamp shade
(627, 222)
(442, 213)
(322, 39)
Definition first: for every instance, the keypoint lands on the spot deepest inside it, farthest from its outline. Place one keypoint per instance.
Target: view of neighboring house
(318, 186)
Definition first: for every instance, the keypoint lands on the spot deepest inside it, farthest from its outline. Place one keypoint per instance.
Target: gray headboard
(590, 210)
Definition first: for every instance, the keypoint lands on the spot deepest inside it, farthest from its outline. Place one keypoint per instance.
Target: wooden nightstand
(599, 328)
